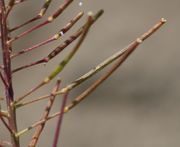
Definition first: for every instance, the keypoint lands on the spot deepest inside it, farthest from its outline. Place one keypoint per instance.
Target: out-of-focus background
(138, 106)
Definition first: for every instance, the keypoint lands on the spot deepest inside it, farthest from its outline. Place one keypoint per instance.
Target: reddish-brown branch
(54, 53)
(28, 31)
(49, 20)
(39, 16)
(66, 28)
(17, 105)
(94, 70)
(60, 48)
(88, 91)
(6, 125)
(33, 47)
(121, 60)
(64, 62)
(40, 128)
(28, 22)
(3, 80)
(7, 73)
(10, 7)
(60, 119)
(122, 55)
(115, 67)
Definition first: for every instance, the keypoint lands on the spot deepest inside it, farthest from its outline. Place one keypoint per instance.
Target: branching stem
(7, 74)
(121, 55)
(83, 30)
(49, 20)
(39, 16)
(53, 38)
(40, 128)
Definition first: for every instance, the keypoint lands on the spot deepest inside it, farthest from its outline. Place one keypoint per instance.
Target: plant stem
(40, 128)
(60, 118)
(7, 74)
(49, 20)
(112, 58)
(3, 80)
(39, 16)
(10, 7)
(122, 55)
(61, 66)
(6, 125)
(52, 54)
(58, 35)
(59, 122)
(100, 66)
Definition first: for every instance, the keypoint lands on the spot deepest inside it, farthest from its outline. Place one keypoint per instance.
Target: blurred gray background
(138, 106)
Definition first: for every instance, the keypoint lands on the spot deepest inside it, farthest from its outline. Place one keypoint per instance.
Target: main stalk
(6, 49)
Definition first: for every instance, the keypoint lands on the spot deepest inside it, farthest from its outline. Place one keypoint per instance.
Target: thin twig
(60, 118)
(21, 104)
(40, 128)
(66, 60)
(125, 54)
(102, 64)
(2, 115)
(112, 58)
(53, 54)
(49, 20)
(53, 38)
(10, 6)
(88, 91)
(98, 82)
(38, 16)
(6, 125)
(3, 80)
(59, 122)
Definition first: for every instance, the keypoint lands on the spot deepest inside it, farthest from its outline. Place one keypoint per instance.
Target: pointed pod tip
(163, 20)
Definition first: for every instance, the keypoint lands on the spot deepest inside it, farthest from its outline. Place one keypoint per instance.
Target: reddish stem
(6, 125)
(54, 53)
(3, 80)
(7, 73)
(40, 128)
(66, 28)
(49, 20)
(59, 122)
